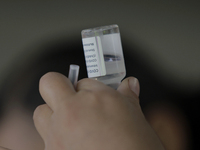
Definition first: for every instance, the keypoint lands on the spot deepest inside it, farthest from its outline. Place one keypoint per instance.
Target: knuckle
(90, 97)
(47, 77)
(38, 111)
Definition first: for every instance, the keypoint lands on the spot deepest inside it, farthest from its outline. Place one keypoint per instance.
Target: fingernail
(134, 85)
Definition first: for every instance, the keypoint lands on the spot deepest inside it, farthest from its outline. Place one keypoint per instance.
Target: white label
(94, 57)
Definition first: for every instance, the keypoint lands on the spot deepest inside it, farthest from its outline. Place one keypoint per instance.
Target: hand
(92, 117)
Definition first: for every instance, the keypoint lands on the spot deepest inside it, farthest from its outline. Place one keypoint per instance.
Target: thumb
(130, 87)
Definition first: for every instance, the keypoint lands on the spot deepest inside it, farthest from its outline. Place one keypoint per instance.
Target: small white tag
(94, 57)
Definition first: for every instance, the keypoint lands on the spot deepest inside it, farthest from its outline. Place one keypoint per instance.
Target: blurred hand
(92, 117)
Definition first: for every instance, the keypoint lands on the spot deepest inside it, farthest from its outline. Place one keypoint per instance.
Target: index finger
(55, 89)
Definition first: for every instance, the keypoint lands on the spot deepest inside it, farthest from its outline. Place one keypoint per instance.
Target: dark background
(160, 41)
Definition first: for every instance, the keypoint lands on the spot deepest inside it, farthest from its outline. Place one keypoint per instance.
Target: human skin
(92, 116)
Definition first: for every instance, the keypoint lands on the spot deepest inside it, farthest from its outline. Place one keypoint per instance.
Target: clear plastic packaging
(103, 54)
(73, 74)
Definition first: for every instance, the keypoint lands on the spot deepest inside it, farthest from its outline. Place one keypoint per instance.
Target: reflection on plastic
(73, 74)
(103, 54)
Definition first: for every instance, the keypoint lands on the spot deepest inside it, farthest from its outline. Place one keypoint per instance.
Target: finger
(55, 88)
(130, 87)
(91, 85)
(41, 118)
